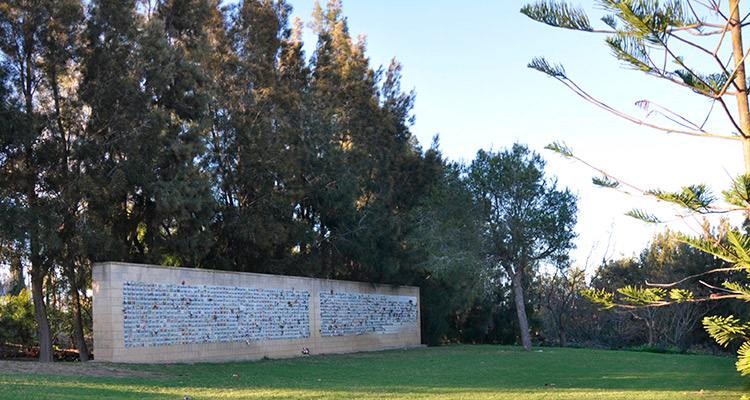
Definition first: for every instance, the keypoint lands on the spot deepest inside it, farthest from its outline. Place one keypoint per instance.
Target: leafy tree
(527, 220)
(664, 260)
(362, 167)
(144, 80)
(253, 138)
(38, 136)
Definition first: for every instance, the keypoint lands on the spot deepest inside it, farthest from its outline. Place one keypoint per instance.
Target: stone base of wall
(146, 314)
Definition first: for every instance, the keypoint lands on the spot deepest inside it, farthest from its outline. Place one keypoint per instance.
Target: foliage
(558, 295)
(140, 132)
(664, 260)
(17, 321)
(446, 238)
(650, 36)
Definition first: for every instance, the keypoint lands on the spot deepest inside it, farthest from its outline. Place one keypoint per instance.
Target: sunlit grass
(459, 372)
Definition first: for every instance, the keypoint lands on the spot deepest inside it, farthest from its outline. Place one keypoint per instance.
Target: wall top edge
(255, 274)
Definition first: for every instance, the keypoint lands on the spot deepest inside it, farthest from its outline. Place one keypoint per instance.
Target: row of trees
(198, 134)
(192, 133)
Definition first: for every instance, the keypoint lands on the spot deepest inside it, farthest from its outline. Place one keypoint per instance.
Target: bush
(17, 320)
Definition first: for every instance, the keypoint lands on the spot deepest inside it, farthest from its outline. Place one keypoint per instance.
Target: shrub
(17, 320)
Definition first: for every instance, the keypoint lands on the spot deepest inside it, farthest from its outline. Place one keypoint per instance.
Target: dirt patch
(72, 369)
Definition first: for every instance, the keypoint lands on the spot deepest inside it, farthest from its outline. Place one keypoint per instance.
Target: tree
(446, 248)
(145, 82)
(38, 135)
(648, 36)
(527, 220)
(253, 137)
(559, 294)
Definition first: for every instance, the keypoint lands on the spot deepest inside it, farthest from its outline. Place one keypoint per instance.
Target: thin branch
(713, 271)
(644, 104)
(663, 303)
(582, 93)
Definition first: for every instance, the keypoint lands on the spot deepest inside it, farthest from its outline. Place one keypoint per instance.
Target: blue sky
(467, 63)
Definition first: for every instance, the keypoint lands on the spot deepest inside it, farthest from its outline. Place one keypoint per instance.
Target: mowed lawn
(454, 372)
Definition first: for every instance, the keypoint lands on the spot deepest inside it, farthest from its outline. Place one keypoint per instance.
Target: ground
(71, 369)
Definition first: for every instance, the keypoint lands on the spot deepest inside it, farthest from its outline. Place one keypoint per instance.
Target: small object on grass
(187, 397)
(236, 375)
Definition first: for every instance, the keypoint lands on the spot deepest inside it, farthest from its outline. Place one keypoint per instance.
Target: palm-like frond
(604, 299)
(561, 149)
(738, 288)
(743, 359)
(631, 50)
(680, 294)
(639, 296)
(649, 20)
(606, 182)
(703, 84)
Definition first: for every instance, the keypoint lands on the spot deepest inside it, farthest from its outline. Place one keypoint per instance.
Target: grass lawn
(455, 372)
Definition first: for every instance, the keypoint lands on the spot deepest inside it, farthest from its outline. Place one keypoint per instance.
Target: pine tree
(254, 125)
(145, 81)
(647, 36)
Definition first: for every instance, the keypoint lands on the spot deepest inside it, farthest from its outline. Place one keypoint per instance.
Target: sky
(467, 63)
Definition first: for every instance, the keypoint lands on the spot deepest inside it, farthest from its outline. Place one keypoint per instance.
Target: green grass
(456, 372)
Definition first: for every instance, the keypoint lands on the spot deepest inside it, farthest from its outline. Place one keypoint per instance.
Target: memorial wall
(147, 313)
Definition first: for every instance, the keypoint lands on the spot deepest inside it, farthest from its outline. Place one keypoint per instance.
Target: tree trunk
(16, 276)
(523, 321)
(83, 350)
(561, 334)
(650, 334)
(40, 310)
(738, 52)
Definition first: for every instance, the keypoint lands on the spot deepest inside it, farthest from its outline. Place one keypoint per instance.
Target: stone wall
(146, 313)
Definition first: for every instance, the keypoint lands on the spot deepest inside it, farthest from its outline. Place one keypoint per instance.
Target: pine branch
(743, 359)
(606, 182)
(558, 73)
(560, 15)
(644, 216)
(725, 329)
(553, 70)
(696, 198)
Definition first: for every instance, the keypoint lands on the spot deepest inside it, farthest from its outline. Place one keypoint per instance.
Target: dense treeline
(187, 132)
(191, 133)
